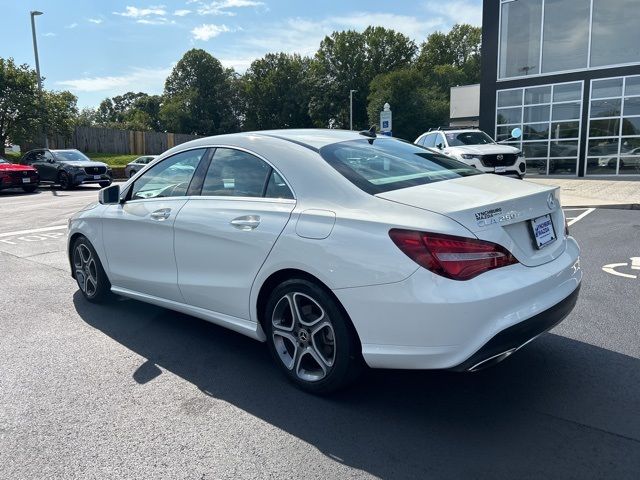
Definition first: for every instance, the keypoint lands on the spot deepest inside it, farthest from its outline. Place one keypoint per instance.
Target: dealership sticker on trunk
(543, 230)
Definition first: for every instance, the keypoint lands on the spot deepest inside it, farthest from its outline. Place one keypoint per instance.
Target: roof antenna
(371, 133)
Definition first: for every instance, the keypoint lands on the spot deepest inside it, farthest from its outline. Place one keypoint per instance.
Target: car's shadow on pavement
(560, 408)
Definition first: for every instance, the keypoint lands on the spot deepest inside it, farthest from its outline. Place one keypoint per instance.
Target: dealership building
(567, 72)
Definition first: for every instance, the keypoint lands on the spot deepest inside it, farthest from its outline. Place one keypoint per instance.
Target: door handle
(248, 222)
(161, 214)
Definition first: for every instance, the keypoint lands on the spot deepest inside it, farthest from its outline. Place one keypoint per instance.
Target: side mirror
(439, 146)
(516, 133)
(109, 195)
(50, 160)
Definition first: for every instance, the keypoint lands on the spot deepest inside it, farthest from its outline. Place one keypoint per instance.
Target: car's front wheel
(87, 269)
(310, 337)
(64, 181)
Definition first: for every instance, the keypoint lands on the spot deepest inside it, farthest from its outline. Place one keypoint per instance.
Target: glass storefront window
(565, 130)
(536, 131)
(534, 95)
(509, 98)
(566, 29)
(567, 92)
(615, 37)
(607, 88)
(620, 132)
(604, 128)
(632, 86)
(631, 106)
(631, 126)
(520, 38)
(538, 37)
(566, 111)
(549, 116)
(605, 108)
(509, 115)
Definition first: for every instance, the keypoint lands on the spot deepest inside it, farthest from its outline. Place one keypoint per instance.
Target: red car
(18, 176)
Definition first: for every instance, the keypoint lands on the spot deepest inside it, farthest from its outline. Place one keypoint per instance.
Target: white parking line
(581, 216)
(34, 230)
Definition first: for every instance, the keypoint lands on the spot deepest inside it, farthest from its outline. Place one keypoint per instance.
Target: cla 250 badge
(495, 215)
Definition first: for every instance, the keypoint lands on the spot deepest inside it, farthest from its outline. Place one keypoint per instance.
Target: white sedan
(337, 248)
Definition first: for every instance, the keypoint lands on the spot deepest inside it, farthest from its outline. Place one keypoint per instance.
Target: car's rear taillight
(458, 258)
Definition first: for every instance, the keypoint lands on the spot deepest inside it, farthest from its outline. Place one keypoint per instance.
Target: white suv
(474, 147)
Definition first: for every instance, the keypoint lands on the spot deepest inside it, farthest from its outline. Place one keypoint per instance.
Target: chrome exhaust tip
(488, 362)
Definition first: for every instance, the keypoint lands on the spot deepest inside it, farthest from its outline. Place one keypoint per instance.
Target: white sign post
(385, 120)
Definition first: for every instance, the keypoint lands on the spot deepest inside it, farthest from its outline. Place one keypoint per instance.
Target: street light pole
(351, 108)
(35, 51)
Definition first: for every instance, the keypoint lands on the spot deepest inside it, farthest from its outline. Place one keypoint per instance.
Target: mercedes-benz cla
(336, 248)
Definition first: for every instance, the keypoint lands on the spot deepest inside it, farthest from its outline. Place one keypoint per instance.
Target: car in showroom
(477, 149)
(337, 249)
(67, 168)
(138, 164)
(13, 175)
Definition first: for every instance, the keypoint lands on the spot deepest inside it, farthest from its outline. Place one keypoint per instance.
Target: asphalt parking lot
(128, 390)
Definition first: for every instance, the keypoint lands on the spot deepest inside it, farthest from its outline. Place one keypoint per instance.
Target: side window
(234, 173)
(440, 140)
(169, 178)
(46, 156)
(430, 141)
(277, 188)
(28, 159)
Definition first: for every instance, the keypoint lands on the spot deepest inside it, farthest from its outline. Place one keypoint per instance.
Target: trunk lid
(493, 208)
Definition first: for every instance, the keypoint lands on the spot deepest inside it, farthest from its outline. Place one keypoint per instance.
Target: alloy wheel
(86, 270)
(303, 336)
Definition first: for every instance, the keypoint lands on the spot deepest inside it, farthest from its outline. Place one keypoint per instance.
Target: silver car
(138, 164)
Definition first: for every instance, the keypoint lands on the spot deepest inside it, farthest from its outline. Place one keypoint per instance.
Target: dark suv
(67, 168)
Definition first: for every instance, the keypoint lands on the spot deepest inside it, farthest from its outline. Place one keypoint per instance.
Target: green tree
(351, 60)
(20, 108)
(416, 103)
(275, 92)
(61, 113)
(87, 117)
(459, 48)
(199, 96)
(115, 109)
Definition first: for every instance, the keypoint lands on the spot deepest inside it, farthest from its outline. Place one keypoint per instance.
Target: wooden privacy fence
(111, 140)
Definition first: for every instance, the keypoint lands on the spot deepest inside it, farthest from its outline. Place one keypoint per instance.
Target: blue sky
(98, 49)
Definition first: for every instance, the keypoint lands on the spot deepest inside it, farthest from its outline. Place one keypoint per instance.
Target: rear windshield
(382, 165)
(71, 156)
(468, 138)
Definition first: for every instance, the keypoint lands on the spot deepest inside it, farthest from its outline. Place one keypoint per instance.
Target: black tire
(105, 184)
(30, 188)
(337, 344)
(64, 181)
(101, 290)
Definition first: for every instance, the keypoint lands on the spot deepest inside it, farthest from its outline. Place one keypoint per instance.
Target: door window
(277, 188)
(234, 173)
(430, 141)
(169, 178)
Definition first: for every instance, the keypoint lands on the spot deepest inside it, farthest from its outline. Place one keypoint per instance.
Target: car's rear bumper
(18, 183)
(430, 322)
(511, 339)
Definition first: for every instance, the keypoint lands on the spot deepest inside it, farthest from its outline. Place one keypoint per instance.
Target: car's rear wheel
(132, 173)
(87, 269)
(30, 188)
(310, 337)
(64, 181)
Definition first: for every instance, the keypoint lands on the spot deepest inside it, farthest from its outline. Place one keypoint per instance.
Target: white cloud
(221, 7)
(138, 79)
(71, 25)
(182, 12)
(456, 11)
(155, 21)
(97, 21)
(49, 34)
(135, 12)
(207, 31)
